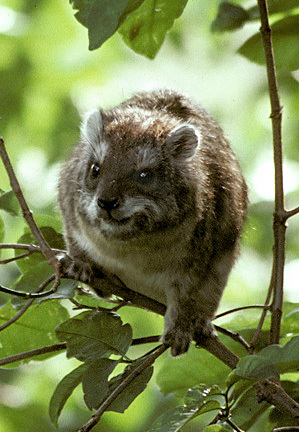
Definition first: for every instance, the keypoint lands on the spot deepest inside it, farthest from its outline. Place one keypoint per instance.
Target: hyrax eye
(146, 177)
(94, 170)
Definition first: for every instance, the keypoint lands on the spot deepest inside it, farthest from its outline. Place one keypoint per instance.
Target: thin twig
(222, 314)
(36, 294)
(291, 213)
(33, 296)
(149, 360)
(234, 336)
(258, 330)
(145, 340)
(279, 226)
(17, 315)
(27, 213)
(233, 425)
(30, 247)
(18, 257)
(286, 429)
(32, 353)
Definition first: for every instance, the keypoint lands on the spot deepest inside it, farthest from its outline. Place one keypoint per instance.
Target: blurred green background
(48, 79)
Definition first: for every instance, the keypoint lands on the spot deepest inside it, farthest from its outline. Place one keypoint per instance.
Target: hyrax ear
(183, 141)
(92, 127)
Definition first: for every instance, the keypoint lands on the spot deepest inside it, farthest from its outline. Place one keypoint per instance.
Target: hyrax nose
(108, 204)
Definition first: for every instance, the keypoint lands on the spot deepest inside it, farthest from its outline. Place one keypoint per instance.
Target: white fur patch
(91, 133)
(133, 205)
(131, 266)
(91, 128)
(147, 158)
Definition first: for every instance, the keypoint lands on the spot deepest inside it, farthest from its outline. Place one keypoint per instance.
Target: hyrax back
(153, 193)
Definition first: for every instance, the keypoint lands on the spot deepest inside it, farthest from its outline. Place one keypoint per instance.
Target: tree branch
(279, 226)
(272, 392)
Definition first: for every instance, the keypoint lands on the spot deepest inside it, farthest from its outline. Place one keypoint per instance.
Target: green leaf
(2, 232)
(174, 419)
(63, 391)
(285, 42)
(45, 220)
(9, 203)
(95, 381)
(198, 400)
(216, 428)
(103, 20)
(130, 393)
(247, 410)
(254, 368)
(285, 358)
(179, 374)
(54, 239)
(229, 17)
(31, 279)
(197, 396)
(145, 29)
(102, 17)
(276, 6)
(290, 319)
(35, 329)
(93, 335)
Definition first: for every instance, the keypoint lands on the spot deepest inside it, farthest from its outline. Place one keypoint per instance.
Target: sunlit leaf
(92, 335)
(145, 29)
(63, 391)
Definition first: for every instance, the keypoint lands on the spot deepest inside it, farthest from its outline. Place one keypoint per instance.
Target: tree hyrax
(154, 194)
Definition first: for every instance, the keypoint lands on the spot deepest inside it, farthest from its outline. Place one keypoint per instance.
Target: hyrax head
(137, 173)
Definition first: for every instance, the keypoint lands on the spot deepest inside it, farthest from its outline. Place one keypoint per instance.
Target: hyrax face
(136, 175)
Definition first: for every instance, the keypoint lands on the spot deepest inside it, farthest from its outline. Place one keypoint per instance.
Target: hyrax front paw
(178, 339)
(75, 269)
(203, 329)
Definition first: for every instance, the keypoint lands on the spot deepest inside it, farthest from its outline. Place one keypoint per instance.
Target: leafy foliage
(143, 24)
(37, 328)
(92, 337)
(98, 340)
